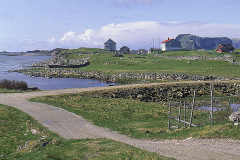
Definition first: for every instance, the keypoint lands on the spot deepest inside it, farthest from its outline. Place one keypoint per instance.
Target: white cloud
(133, 34)
(68, 36)
(140, 34)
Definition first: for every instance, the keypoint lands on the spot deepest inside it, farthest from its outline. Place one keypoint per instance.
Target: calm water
(234, 107)
(19, 62)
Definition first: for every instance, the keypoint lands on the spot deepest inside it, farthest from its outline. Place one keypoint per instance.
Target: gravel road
(72, 126)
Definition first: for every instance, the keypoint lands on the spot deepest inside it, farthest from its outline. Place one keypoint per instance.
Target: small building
(171, 45)
(125, 49)
(110, 45)
(225, 48)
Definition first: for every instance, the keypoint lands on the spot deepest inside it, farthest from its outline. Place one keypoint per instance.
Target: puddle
(47, 122)
(234, 107)
(55, 109)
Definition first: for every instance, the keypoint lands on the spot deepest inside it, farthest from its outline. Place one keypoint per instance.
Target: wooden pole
(185, 113)
(194, 95)
(179, 112)
(169, 116)
(211, 88)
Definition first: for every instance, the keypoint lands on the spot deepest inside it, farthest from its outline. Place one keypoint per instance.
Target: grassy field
(21, 137)
(107, 64)
(10, 91)
(142, 120)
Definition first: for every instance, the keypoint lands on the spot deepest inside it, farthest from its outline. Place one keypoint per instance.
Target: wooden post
(179, 112)
(211, 89)
(169, 116)
(185, 113)
(194, 95)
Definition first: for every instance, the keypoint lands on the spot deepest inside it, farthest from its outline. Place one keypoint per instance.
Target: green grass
(11, 91)
(77, 53)
(140, 119)
(188, 53)
(15, 132)
(107, 64)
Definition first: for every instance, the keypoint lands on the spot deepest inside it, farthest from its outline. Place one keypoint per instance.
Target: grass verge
(11, 91)
(21, 137)
(140, 119)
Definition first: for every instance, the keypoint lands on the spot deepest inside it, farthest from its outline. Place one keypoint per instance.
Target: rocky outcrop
(235, 117)
(61, 61)
(236, 42)
(190, 42)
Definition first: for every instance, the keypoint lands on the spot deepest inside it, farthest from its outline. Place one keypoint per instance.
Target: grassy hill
(104, 62)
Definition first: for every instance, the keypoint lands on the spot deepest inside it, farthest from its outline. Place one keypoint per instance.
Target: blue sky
(47, 24)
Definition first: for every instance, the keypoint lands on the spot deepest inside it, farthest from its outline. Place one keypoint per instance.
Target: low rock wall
(216, 58)
(62, 62)
(64, 72)
(166, 92)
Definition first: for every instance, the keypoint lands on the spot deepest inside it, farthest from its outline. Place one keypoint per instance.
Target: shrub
(13, 84)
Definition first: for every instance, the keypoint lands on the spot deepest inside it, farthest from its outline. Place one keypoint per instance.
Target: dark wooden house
(225, 48)
(125, 49)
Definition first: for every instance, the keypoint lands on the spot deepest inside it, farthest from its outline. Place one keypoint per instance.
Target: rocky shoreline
(61, 61)
(60, 67)
(69, 73)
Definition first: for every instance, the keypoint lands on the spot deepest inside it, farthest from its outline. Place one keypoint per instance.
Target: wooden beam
(194, 125)
(211, 89)
(193, 104)
(169, 116)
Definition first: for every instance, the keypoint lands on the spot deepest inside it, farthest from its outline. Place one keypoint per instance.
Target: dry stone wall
(194, 58)
(65, 72)
(61, 61)
(166, 92)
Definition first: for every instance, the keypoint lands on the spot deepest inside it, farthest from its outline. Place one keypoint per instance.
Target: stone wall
(225, 58)
(61, 61)
(166, 92)
(65, 72)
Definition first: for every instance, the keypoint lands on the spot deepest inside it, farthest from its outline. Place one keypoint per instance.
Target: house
(225, 48)
(125, 49)
(110, 45)
(171, 45)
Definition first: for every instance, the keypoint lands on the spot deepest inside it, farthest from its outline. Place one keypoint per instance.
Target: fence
(184, 113)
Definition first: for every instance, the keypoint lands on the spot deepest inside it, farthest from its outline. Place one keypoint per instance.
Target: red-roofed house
(171, 45)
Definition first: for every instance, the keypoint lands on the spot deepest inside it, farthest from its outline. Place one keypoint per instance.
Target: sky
(48, 24)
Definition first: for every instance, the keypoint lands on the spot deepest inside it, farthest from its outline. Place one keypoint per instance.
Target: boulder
(235, 116)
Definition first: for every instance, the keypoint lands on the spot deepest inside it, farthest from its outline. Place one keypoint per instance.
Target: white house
(110, 45)
(171, 45)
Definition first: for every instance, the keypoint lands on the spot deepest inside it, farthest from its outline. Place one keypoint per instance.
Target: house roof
(110, 40)
(125, 47)
(226, 46)
(166, 40)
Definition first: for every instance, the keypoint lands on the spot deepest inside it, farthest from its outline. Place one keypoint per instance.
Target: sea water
(8, 63)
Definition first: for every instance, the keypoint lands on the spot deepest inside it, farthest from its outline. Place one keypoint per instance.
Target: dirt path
(71, 126)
